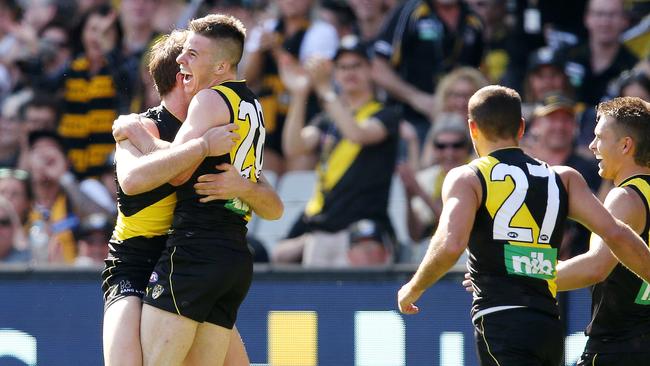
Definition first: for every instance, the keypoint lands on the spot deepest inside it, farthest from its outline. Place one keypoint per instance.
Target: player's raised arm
(585, 208)
(139, 173)
(207, 109)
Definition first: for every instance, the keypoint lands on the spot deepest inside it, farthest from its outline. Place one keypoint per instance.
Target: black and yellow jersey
(90, 104)
(224, 218)
(148, 214)
(621, 304)
(353, 179)
(517, 232)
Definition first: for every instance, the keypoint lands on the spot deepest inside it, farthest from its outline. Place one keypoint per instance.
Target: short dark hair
(38, 135)
(162, 60)
(632, 119)
(497, 111)
(41, 100)
(226, 29)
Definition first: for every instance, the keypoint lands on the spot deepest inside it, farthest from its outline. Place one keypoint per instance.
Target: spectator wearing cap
(58, 201)
(370, 245)
(92, 236)
(545, 75)
(12, 236)
(356, 139)
(294, 35)
(551, 138)
(590, 66)
(451, 146)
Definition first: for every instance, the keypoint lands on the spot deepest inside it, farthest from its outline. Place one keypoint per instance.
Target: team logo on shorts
(154, 277)
(157, 291)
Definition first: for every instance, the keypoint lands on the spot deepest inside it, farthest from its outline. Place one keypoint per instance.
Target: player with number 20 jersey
(206, 270)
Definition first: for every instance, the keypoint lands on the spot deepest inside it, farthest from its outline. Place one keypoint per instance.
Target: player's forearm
(576, 273)
(263, 200)
(292, 144)
(437, 261)
(161, 166)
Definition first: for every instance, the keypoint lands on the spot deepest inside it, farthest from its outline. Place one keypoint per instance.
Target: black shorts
(518, 337)
(128, 267)
(614, 359)
(202, 280)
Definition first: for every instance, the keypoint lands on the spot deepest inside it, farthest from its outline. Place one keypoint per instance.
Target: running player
(619, 332)
(513, 236)
(144, 219)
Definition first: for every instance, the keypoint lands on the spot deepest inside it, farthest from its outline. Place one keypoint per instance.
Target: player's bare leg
(166, 337)
(121, 334)
(211, 343)
(236, 355)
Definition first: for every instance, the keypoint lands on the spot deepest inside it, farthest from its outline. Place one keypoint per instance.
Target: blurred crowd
(359, 91)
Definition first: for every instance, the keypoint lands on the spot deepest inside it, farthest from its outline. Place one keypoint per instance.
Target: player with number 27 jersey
(517, 233)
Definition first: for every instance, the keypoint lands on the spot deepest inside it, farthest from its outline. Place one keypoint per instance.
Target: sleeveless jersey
(148, 214)
(621, 304)
(224, 219)
(517, 232)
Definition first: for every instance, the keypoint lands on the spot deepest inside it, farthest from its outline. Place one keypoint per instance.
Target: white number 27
(503, 217)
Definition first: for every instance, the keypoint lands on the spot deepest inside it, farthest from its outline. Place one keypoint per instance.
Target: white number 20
(503, 218)
(256, 118)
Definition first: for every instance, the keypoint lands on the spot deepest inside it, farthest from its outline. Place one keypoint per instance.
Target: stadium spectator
(462, 41)
(339, 15)
(452, 148)
(370, 245)
(356, 138)
(545, 74)
(137, 22)
(16, 188)
(412, 33)
(92, 237)
(591, 66)
(92, 96)
(12, 236)
(506, 50)
(41, 112)
(10, 137)
(452, 95)
(553, 132)
(43, 69)
(292, 31)
(369, 16)
(58, 201)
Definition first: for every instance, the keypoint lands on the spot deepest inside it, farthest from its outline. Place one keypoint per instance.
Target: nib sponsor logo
(530, 262)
